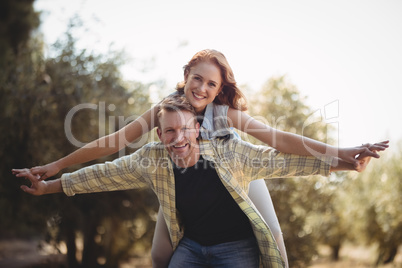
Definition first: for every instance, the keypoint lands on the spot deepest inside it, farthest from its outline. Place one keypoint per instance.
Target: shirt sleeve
(265, 162)
(121, 174)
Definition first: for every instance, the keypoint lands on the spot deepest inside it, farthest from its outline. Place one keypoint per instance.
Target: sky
(345, 56)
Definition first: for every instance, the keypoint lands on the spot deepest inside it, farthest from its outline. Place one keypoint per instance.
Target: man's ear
(159, 132)
(197, 129)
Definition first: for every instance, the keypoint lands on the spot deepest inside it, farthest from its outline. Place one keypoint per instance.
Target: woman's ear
(220, 91)
(186, 73)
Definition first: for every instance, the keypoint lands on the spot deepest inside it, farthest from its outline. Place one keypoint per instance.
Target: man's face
(178, 131)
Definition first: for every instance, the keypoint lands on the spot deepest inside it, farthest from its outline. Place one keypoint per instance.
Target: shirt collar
(206, 149)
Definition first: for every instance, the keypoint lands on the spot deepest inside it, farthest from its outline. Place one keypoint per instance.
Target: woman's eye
(212, 85)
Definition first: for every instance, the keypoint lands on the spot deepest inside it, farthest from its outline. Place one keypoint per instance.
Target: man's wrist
(340, 165)
(53, 186)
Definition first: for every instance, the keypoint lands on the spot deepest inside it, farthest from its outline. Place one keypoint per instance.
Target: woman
(210, 87)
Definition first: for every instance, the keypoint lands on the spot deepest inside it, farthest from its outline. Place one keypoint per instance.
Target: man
(206, 182)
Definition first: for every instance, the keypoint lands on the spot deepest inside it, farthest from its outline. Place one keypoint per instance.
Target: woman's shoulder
(218, 109)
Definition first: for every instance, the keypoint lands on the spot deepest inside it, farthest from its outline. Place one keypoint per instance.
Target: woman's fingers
(41, 171)
(17, 171)
(26, 173)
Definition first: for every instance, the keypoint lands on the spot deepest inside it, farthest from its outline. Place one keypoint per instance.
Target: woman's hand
(45, 171)
(355, 154)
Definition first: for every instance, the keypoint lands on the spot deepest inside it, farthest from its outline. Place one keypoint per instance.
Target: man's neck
(188, 161)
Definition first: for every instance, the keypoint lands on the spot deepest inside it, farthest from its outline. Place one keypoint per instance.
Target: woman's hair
(230, 94)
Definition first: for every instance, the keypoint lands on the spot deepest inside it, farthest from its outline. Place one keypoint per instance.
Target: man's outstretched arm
(38, 187)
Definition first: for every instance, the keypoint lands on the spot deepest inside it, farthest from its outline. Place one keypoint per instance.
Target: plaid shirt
(236, 162)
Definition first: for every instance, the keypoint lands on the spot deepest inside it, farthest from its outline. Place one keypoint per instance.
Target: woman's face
(203, 83)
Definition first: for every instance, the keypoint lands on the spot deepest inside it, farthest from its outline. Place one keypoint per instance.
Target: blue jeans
(237, 254)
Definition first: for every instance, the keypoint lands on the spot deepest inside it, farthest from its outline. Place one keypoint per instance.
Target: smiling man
(178, 130)
(202, 187)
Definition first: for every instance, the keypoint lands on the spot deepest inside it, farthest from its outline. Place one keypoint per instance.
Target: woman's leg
(162, 249)
(261, 198)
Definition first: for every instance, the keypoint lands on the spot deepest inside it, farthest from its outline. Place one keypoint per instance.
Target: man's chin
(179, 156)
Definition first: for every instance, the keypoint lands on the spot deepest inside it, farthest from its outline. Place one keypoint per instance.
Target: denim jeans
(237, 254)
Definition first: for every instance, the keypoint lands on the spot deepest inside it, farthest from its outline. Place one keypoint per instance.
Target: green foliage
(17, 20)
(38, 95)
(346, 206)
(283, 107)
(79, 77)
(18, 86)
(280, 105)
(375, 217)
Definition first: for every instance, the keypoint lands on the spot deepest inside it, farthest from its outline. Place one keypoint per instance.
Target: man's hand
(362, 162)
(38, 187)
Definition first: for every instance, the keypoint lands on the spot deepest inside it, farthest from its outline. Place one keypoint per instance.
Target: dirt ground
(353, 257)
(16, 253)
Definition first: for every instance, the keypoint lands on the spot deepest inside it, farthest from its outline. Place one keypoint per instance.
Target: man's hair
(174, 103)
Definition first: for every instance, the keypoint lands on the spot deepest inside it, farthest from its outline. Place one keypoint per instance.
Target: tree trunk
(89, 254)
(335, 252)
(391, 254)
(68, 227)
(69, 232)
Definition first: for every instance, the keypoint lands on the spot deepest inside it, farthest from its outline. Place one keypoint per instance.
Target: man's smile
(180, 146)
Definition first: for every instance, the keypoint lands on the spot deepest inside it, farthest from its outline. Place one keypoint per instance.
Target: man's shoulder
(239, 145)
(221, 144)
(150, 155)
(227, 143)
(151, 149)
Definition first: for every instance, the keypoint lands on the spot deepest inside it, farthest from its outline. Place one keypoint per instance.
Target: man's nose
(179, 135)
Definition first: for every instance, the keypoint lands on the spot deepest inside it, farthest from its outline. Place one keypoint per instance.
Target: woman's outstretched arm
(287, 142)
(103, 146)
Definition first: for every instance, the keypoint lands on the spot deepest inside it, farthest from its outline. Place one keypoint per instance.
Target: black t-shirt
(208, 212)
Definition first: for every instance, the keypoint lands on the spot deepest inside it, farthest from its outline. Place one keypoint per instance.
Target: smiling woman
(209, 78)
(203, 84)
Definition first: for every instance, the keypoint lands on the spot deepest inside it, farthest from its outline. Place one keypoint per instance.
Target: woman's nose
(203, 87)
